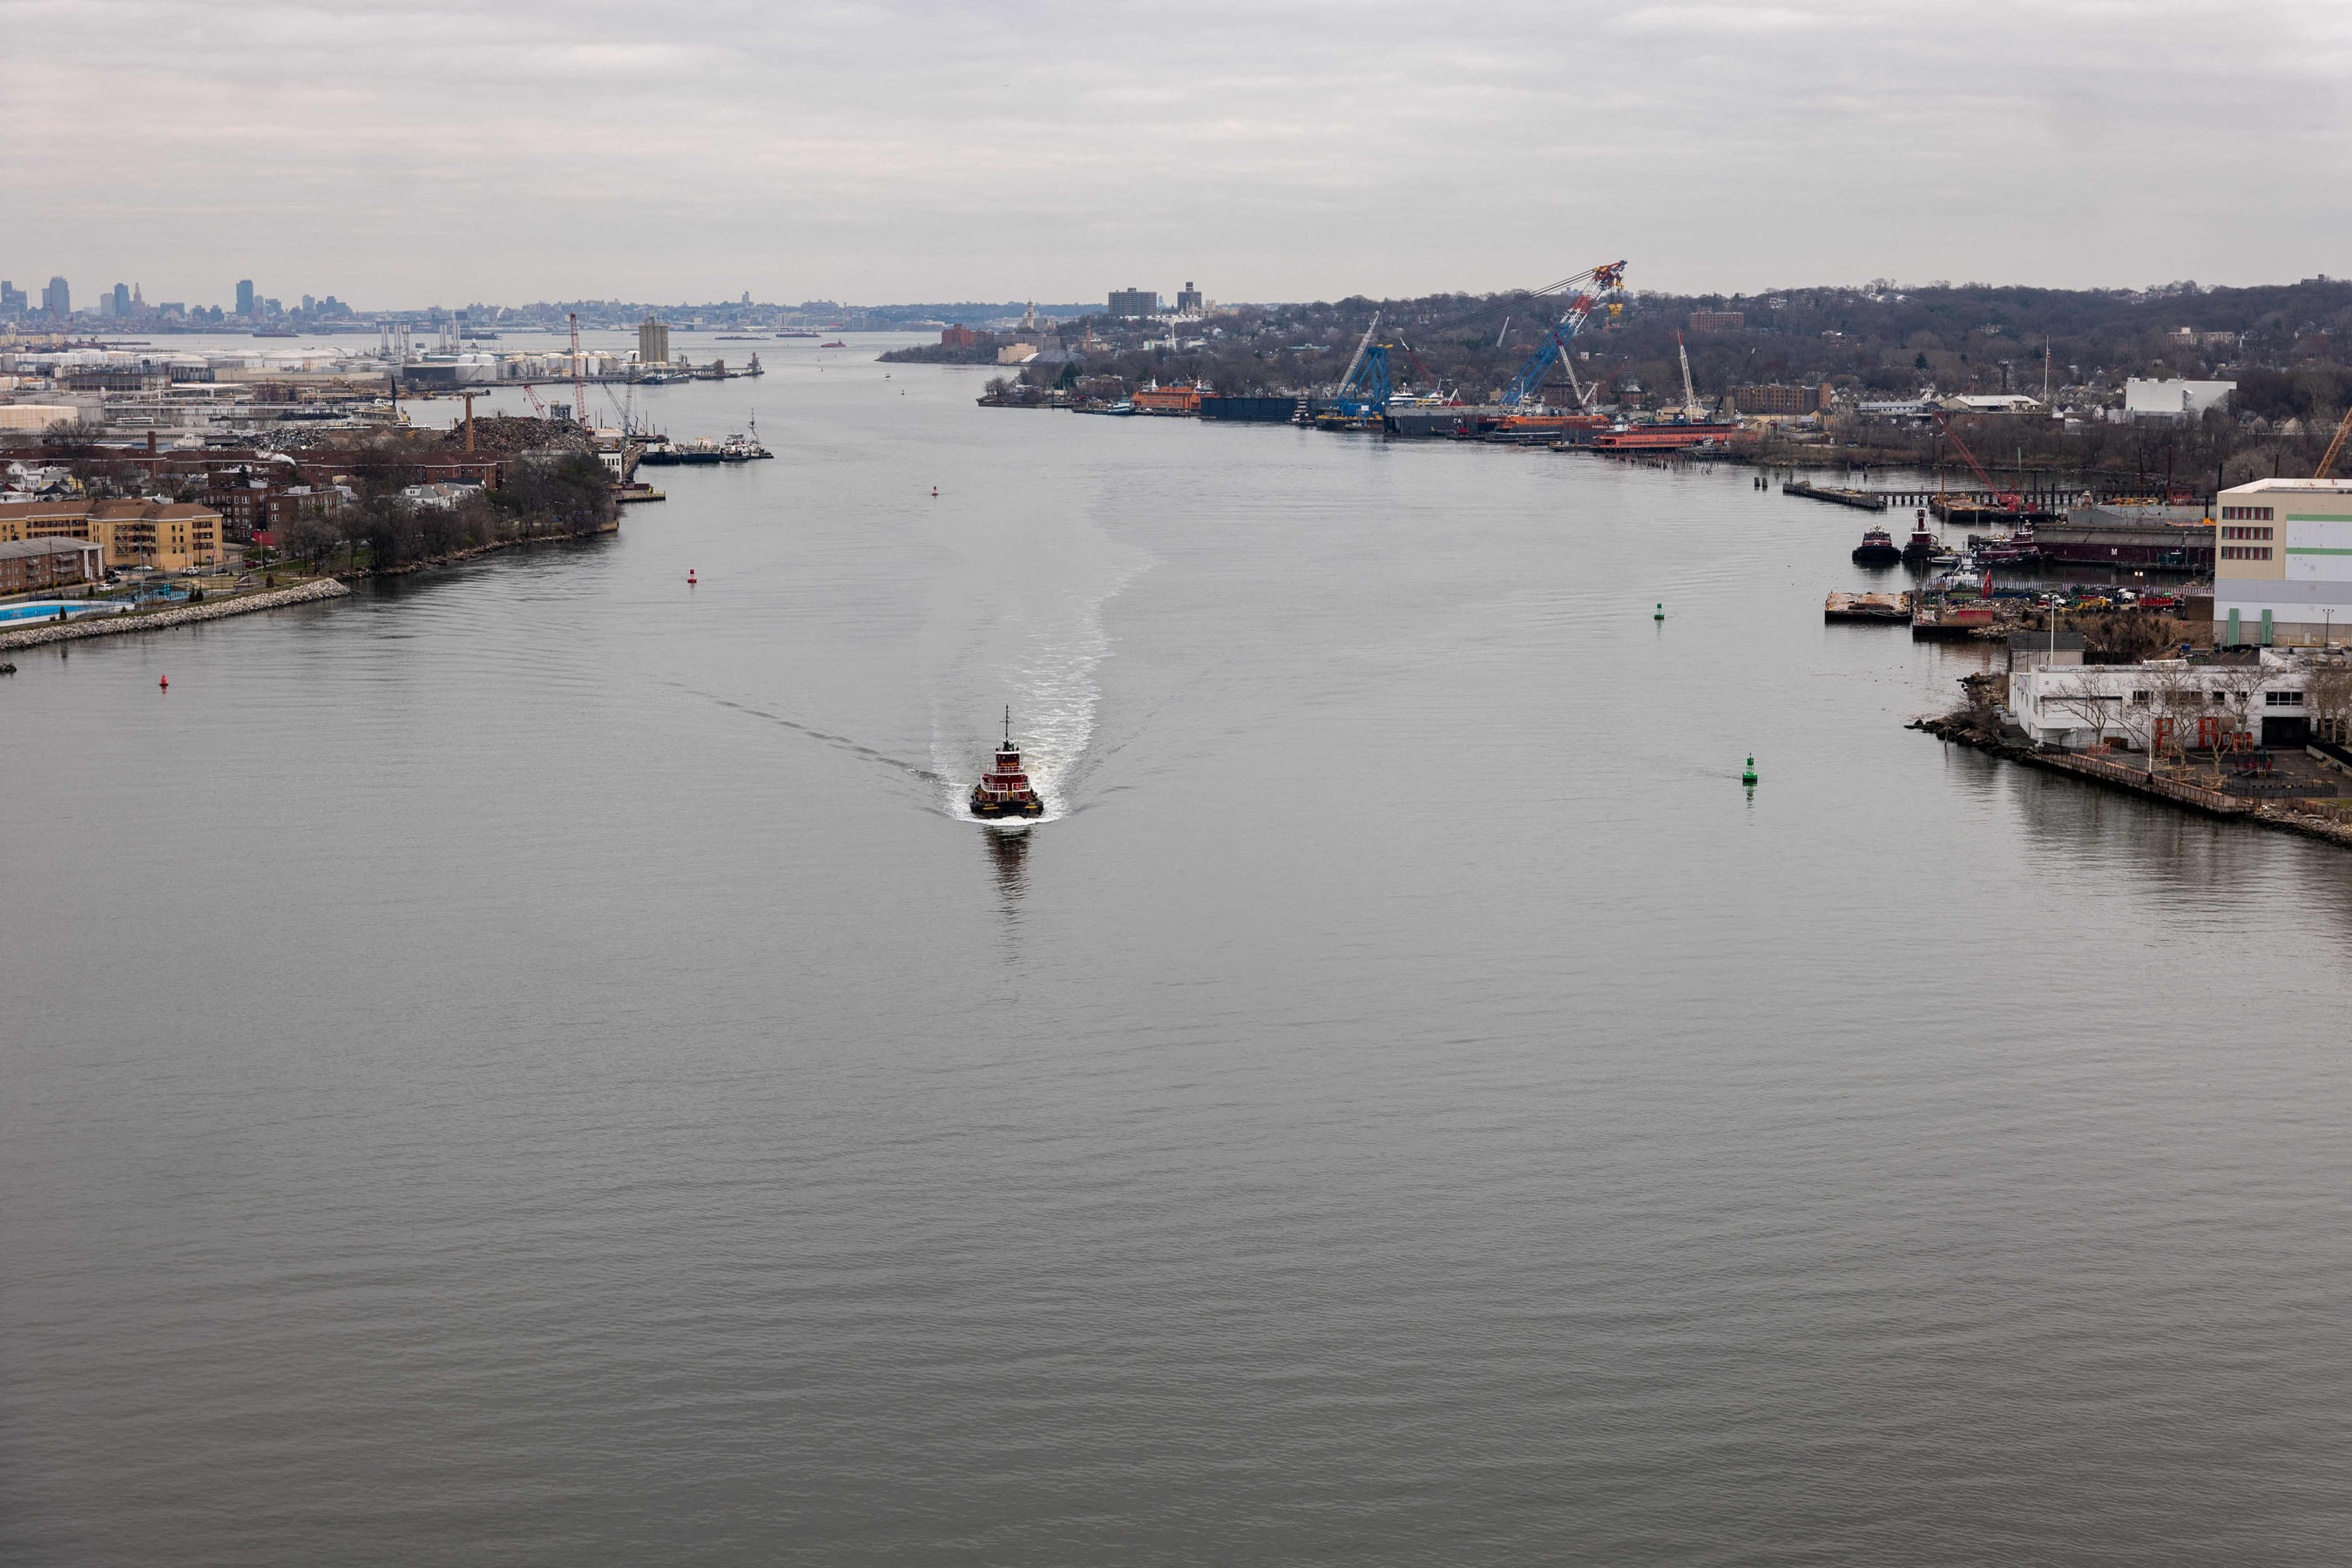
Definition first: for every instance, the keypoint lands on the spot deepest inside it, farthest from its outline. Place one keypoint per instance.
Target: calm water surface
(527, 1065)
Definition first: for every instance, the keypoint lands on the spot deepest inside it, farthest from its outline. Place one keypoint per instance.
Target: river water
(527, 1064)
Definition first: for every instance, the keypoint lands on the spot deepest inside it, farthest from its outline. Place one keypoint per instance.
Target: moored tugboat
(1923, 544)
(1877, 548)
(1006, 790)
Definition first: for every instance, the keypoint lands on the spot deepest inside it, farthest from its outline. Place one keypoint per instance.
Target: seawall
(2280, 816)
(186, 614)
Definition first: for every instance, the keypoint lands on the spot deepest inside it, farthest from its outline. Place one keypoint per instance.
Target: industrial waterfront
(584, 1089)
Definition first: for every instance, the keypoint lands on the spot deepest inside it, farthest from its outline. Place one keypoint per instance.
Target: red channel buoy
(689, 576)
(163, 683)
(935, 493)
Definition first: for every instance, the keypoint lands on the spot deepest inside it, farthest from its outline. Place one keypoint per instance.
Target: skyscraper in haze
(57, 300)
(244, 296)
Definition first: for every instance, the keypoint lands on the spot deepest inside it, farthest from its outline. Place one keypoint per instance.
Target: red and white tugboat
(1006, 790)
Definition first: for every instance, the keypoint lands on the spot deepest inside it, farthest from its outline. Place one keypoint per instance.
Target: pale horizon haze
(400, 156)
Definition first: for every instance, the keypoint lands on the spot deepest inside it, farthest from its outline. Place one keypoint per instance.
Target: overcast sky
(415, 153)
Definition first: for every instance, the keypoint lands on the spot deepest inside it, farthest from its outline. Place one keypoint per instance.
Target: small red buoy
(935, 493)
(689, 576)
(164, 683)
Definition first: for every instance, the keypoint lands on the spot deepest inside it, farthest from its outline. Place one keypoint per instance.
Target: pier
(1868, 501)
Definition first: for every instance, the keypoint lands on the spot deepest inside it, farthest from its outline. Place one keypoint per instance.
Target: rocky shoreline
(186, 614)
(2278, 815)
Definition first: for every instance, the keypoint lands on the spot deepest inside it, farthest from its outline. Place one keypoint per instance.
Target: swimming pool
(47, 610)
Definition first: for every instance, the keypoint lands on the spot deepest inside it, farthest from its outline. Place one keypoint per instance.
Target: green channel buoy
(1661, 615)
(1750, 776)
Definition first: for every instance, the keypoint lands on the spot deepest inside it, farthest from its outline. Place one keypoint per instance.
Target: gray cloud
(413, 154)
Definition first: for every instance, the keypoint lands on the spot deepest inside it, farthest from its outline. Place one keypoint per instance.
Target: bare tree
(308, 536)
(2086, 698)
(2327, 698)
(2233, 692)
(2176, 700)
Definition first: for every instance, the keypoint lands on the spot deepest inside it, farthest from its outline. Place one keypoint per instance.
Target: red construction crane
(2007, 500)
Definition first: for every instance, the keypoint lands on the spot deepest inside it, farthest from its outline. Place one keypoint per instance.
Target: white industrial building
(2282, 563)
(2176, 400)
(2275, 697)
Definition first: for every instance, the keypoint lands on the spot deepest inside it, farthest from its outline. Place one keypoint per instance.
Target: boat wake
(1028, 633)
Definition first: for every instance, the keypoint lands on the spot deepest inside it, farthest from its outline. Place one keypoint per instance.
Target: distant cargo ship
(661, 452)
(682, 454)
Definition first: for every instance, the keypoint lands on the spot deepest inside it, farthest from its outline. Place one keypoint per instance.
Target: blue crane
(1590, 288)
(1363, 391)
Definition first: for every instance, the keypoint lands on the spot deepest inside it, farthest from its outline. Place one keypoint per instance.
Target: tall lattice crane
(1587, 291)
(2335, 448)
(1363, 392)
(1691, 409)
(2007, 500)
(579, 379)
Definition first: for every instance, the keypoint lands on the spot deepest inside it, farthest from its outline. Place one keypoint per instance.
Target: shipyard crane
(1363, 390)
(1356, 361)
(627, 411)
(2007, 500)
(579, 379)
(1587, 291)
(536, 405)
(2335, 448)
(1691, 409)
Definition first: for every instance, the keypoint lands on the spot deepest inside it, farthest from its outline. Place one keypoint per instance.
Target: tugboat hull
(1005, 790)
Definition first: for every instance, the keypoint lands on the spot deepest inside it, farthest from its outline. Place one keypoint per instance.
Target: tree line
(555, 497)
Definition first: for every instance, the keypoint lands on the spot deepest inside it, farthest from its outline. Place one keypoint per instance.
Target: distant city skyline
(913, 151)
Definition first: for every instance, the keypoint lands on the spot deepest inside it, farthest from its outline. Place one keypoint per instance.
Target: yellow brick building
(169, 536)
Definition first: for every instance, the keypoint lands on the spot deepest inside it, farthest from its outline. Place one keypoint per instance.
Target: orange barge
(1669, 437)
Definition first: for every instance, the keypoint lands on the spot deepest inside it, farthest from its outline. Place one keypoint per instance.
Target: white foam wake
(1024, 629)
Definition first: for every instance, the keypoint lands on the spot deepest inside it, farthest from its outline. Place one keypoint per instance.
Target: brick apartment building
(1777, 399)
(36, 565)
